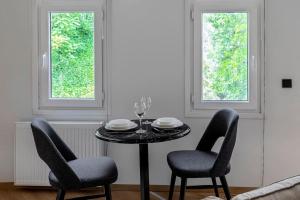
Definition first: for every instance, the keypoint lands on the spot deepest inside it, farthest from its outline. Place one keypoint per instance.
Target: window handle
(254, 64)
(192, 14)
(44, 61)
(102, 25)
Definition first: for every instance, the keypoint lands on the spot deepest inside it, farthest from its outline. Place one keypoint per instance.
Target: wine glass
(139, 110)
(147, 101)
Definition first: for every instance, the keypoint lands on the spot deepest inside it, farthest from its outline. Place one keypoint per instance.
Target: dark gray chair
(203, 162)
(67, 171)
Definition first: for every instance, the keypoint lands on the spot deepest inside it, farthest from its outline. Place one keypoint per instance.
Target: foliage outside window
(225, 57)
(72, 55)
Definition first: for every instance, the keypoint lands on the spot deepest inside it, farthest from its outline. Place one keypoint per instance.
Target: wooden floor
(10, 192)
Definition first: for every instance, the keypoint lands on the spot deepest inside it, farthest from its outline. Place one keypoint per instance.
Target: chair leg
(172, 184)
(60, 194)
(225, 187)
(215, 186)
(182, 188)
(107, 192)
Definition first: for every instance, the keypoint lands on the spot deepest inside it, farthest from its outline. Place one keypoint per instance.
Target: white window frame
(195, 106)
(83, 109)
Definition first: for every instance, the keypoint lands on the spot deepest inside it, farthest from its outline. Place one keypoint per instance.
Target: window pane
(225, 57)
(72, 55)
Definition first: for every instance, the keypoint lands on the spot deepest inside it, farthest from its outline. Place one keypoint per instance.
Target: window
(223, 53)
(71, 55)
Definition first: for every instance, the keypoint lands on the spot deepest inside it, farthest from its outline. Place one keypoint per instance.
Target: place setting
(140, 126)
(140, 109)
(120, 125)
(166, 123)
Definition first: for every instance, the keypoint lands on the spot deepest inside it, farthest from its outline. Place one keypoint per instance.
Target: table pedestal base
(144, 172)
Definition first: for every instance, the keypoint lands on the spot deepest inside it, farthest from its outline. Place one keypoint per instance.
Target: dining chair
(203, 162)
(67, 171)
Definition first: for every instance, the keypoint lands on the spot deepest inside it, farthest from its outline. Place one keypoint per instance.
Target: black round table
(152, 135)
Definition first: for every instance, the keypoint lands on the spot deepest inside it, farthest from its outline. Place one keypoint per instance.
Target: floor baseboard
(165, 188)
(129, 187)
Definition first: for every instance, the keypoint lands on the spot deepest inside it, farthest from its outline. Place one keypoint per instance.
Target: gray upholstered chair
(67, 171)
(203, 162)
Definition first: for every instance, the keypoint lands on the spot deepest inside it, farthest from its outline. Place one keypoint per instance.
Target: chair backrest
(54, 152)
(223, 124)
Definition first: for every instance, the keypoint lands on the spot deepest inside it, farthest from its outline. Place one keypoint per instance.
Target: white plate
(166, 121)
(176, 124)
(132, 125)
(119, 123)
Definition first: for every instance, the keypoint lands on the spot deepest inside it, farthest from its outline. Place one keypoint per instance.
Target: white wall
(282, 138)
(15, 77)
(148, 59)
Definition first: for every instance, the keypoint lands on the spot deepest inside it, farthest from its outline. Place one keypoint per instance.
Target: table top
(152, 135)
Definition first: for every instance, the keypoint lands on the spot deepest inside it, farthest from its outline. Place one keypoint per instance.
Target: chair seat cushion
(192, 164)
(91, 172)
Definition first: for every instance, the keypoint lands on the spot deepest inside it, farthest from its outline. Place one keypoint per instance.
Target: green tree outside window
(225, 57)
(72, 55)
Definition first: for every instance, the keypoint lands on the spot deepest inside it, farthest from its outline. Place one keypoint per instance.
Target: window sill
(71, 115)
(208, 114)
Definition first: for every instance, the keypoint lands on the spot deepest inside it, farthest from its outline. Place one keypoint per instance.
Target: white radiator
(29, 168)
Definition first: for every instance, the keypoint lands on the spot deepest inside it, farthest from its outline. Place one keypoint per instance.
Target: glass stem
(141, 123)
